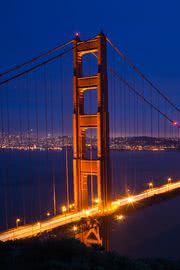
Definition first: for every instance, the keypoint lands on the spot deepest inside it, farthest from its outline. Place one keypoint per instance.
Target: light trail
(68, 218)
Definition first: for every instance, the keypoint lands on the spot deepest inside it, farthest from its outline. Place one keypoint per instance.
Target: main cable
(142, 97)
(58, 47)
(35, 67)
(141, 74)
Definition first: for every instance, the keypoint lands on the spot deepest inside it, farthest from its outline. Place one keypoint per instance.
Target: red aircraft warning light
(77, 34)
(175, 123)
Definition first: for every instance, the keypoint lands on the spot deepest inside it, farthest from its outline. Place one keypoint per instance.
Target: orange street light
(150, 185)
(71, 206)
(87, 213)
(96, 200)
(120, 217)
(17, 221)
(169, 180)
(75, 228)
(130, 199)
(48, 214)
(63, 208)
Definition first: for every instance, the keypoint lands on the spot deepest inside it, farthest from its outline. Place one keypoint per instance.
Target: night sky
(146, 31)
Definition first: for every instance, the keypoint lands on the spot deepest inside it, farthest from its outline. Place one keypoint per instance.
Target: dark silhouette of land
(70, 254)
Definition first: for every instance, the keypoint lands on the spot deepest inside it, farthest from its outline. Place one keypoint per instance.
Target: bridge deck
(60, 220)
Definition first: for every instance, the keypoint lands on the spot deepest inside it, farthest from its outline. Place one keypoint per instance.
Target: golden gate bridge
(114, 108)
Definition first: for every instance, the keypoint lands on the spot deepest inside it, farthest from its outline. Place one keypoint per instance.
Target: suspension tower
(83, 167)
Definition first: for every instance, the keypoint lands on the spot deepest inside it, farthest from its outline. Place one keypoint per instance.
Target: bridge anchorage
(83, 167)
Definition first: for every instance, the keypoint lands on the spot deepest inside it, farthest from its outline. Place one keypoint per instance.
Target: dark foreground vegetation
(68, 254)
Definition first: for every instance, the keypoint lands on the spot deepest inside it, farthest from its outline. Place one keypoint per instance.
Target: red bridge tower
(83, 167)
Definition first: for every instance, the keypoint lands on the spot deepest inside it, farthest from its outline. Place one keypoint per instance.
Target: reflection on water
(26, 179)
(26, 191)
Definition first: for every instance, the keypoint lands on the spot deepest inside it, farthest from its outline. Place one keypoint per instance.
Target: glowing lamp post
(17, 221)
(130, 199)
(169, 180)
(120, 217)
(63, 209)
(48, 214)
(71, 206)
(75, 229)
(150, 185)
(96, 200)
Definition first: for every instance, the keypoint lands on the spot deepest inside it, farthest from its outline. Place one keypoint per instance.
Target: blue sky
(146, 31)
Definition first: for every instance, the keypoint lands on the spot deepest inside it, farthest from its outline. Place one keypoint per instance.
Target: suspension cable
(142, 97)
(35, 67)
(44, 62)
(141, 74)
(58, 47)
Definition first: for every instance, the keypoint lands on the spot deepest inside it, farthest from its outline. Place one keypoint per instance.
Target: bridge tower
(83, 167)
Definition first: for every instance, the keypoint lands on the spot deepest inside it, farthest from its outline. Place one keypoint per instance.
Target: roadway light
(169, 180)
(150, 185)
(120, 217)
(87, 213)
(96, 200)
(130, 199)
(63, 208)
(71, 206)
(17, 221)
(48, 214)
(75, 228)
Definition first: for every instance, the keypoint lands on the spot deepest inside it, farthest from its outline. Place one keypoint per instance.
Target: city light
(23, 143)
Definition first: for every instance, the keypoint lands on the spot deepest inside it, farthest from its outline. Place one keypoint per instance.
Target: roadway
(30, 230)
